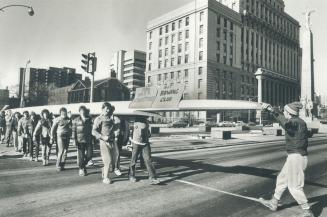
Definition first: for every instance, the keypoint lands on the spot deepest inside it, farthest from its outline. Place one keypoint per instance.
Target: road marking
(218, 190)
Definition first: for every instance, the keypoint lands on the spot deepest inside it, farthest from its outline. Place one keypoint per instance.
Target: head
(17, 115)
(26, 114)
(83, 111)
(292, 110)
(33, 115)
(3, 113)
(63, 112)
(8, 112)
(45, 113)
(107, 109)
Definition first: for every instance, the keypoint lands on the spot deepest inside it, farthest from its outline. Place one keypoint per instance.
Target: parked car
(209, 124)
(251, 124)
(240, 123)
(226, 124)
(178, 124)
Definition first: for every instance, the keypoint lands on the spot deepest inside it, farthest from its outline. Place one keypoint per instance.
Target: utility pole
(22, 102)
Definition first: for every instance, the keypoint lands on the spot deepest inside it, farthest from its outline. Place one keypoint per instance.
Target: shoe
(132, 179)
(59, 169)
(154, 181)
(81, 172)
(90, 163)
(44, 162)
(271, 204)
(306, 213)
(106, 181)
(117, 172)
(31, 158)
(16, 150)
(37, 159)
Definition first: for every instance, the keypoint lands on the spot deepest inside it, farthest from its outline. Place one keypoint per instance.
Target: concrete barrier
(272, 131)
(204, 129)
(217, 133)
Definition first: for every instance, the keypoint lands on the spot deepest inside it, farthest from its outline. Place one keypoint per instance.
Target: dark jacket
(296, 133)
(82, 130)
(43, 128)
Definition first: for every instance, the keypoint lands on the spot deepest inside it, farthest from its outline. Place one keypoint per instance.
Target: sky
(60, 31)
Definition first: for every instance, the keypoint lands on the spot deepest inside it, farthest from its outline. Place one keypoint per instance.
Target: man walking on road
(292, 175)
(104, 130)
(62, 129)
(25, 129)
(82, 137)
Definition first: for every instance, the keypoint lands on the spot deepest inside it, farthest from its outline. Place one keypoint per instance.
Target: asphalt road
(208, 181)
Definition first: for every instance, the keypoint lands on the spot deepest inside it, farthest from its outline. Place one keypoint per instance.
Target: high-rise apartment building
(129, 67)
(215, 48)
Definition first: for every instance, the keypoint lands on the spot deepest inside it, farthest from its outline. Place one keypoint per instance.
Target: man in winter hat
(292, 175)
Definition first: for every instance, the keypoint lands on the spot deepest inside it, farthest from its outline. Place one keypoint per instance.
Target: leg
(135, 153)
(64, 156)
(106, 158)
(148, 161)
(24, 143)
(8, 136)
(37, 148)
(30, 147)
(60, 152)
(15, 140)
(81, 155)
(89, 150)
(295, 174)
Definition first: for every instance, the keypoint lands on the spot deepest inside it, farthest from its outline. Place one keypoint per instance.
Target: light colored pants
(106, 155)
(15, 139)
(63, 144)
(292, 177)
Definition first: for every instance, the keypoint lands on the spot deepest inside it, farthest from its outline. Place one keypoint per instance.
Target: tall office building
(129, 67)
(216, 47)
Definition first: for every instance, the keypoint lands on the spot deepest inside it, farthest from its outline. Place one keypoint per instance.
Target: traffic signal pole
(89, 65)
(92, 88)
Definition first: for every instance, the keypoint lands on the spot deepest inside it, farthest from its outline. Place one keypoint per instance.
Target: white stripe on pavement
(217, 190)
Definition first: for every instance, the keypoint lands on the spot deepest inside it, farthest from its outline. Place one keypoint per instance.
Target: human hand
(266, 106)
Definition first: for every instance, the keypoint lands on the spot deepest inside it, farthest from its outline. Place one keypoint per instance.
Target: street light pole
(22, 104)
(30, 8)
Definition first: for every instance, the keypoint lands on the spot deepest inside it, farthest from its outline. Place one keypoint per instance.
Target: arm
(19, 128)
(37, 129)
(54, 128)
(74, 130)
(96, 128)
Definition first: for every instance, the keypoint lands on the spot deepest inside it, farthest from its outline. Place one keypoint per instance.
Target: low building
(59, 96)
(4, 97)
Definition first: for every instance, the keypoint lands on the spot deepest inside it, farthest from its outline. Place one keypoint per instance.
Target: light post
(22, 104)
(30, 8)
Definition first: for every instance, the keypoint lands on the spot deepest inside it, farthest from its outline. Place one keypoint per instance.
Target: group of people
(27, 133)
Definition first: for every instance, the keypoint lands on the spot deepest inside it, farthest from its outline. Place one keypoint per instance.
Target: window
(160, 42)
(218, 45)
(231, 61)
(225, 60)
(150, 35)
(187, 21)
(159, 64)
(201, 43)
(187, 34)
(225, 35)
(218, 57)
(160, 53)
(160, 31)
(180, 36)
(166, 62)
(172, 38)
(173, 50)
(166, 40)
(150, 45)
(149, 67)
(218, 33)
(186, 73)
(201, 30)
(149, 79)
(166, 76)
(199, 83)
(172, 61)
(166, 52)
(173, 26)
(200, 70)
(179, 60)
(179, 74)
(225, 22)
(179, 48)
(167, 28)
(180, 24)
(186, 46)
(225, 48)
(186, 58)
(218, 20)
(201, 55)
(231, 37)
(150, 56)
(231, 26)
(201, 15)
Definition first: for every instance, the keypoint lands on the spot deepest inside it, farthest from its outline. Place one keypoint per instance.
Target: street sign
(169, 97)
(144, 97)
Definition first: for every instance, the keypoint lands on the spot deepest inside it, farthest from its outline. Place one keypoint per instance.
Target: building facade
(4, 97)
(216, 47)
(129, 67)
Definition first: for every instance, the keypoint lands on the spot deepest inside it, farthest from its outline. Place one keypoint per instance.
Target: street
(208, 179)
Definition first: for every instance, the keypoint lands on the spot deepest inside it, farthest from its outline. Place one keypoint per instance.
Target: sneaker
(44, 162)
(37, 159)
(81, 172)
(90, 163)
(117, 172)
(31, 158)
(154, 181)
(306, 213)
(132, 179)
(271, 204)
(59, 169)
(106, 181)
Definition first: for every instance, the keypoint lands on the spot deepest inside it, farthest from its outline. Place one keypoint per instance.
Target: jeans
(46, 148)
(8, 135)
(63, 143)
(117, 150)
(146, 152)
(89, 150)
(15, 139)
(81, 156)
(292, 177)
(27, 146)
(106, 155)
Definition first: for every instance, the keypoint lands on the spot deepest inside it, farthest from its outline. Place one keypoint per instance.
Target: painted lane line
(217, 190)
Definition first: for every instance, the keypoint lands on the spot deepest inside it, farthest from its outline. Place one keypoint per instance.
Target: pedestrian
(42, 134)
(292, 175)
(9, 128)
(35, 143)
(62, 129)
(140, 141)
(18, 116)
(25, 129)
(103, 130)
(2, 126)
(82, 137)
(14, 126)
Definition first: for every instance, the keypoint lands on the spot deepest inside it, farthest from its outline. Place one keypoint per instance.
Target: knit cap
(293, 108)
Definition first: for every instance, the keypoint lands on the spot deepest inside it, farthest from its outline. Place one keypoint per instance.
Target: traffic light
(86, 62)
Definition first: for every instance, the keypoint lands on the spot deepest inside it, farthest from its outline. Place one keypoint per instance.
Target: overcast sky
(61, 30)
